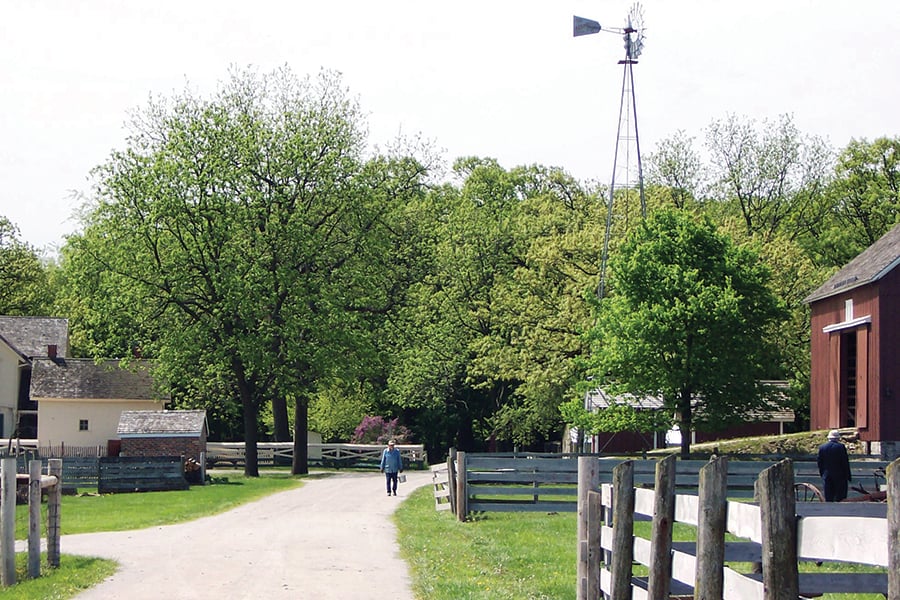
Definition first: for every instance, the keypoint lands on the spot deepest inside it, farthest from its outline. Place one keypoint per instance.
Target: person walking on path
(834, 467)
(391, 466)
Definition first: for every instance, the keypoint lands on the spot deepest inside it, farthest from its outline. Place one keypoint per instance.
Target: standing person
(391, 466)
(834, 467)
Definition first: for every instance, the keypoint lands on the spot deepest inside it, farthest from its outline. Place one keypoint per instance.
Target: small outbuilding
(163, 433)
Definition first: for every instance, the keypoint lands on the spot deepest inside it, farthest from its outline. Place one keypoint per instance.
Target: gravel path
(331, 538)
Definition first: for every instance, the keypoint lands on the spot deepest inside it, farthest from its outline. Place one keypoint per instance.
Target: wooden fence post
(8, 521)
(595, 551)
(54, 499)
(661, 533)
(451, 478)
(777, 506)
(34, 519)
(588, 480)
(462, 494)
(893, 522)
(623, 530)
(709, 581)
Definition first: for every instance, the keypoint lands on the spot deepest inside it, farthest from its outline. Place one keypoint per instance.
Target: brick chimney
(51, 351)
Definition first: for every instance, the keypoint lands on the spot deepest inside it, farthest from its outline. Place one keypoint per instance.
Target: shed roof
(872, 264)
(134, 423)
(30, 336)
(73, 378)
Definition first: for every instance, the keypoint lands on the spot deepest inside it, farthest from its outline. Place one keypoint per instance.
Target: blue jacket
(391, 461)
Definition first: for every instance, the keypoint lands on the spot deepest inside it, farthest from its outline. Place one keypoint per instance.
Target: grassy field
(511, 555)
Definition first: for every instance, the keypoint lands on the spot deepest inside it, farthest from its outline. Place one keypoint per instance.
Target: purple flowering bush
(375, 430)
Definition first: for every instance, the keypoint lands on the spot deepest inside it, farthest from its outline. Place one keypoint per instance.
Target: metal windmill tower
(627, 172)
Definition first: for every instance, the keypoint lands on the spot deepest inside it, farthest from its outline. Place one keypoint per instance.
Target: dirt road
(330, 539)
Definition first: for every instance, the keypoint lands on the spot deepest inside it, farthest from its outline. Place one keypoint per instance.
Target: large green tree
(687, 320)
(24, 288)
(248, 238)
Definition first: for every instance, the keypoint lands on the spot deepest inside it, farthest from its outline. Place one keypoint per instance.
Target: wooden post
(709, 581)
(34, 519)
(623, 530)
(451, 478)
(8, 521)
(588, 480)
(661, 532)
(595, 520)
(54, 499)
(893, 522)
(777, 507)
(462, 498)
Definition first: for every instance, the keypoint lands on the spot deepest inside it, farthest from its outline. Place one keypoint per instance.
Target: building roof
(71, 378)
(30, 336)
(872, 264)
(173, 423)
(597, 399)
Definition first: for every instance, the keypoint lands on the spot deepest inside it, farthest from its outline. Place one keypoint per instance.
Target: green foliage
(687, 319)
(337, 408)
(246, 239)
(24, 285)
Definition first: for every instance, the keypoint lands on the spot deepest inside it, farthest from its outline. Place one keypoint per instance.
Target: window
(83, 425)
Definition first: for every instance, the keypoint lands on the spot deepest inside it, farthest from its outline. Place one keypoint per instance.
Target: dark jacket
(834, 464)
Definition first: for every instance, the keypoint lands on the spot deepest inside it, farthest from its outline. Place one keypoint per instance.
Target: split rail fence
(37, 485)
(779, 531)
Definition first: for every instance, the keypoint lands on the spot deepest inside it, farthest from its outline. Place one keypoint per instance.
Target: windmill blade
(582, 26)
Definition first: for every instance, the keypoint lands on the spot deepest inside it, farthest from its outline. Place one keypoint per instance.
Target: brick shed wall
(164, 446)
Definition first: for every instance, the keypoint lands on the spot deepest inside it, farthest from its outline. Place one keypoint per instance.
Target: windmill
(627, 139)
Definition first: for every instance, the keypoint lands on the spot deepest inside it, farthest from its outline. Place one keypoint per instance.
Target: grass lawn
(118, 512)
(513, 555)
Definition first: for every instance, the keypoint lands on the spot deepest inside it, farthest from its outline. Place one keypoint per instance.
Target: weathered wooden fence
(325, 455)
(488, 482)
(779, 530)
(118, 474)
(37, 483)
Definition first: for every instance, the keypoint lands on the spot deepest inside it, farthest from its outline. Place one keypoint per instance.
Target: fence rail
(326, 455)
(779, 533)
(548, 482)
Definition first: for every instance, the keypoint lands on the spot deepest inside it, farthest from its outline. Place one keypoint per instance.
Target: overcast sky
(497, 78)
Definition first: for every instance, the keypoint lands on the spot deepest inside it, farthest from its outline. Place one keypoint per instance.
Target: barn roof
(71, 378)
(872, 264)
(173, 423)
(30, 336)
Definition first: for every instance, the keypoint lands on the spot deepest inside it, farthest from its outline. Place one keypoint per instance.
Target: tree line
(286, 275)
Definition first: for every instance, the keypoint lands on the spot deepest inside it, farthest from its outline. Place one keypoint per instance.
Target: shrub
(375, 430)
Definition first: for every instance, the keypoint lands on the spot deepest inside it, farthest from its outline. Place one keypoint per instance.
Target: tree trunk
(300, 462)
(282, 423)
(251, 414)
(251, 430)
(685, 424)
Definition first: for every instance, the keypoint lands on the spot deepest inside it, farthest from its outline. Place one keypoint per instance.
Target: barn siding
(887, 385)
(826, 406)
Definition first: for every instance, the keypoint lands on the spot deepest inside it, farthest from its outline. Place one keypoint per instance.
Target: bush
(375, 430)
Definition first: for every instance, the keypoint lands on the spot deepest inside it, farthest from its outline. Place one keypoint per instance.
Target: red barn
(855, 348)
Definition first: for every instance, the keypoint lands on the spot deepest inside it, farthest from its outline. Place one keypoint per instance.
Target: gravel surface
(331, 538)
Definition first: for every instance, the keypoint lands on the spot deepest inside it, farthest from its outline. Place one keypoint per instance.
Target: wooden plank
(476, 506)
(842, 539)
(893, 521)
(816, 584)
(508, 490)
(709, 578)
(659, 580)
